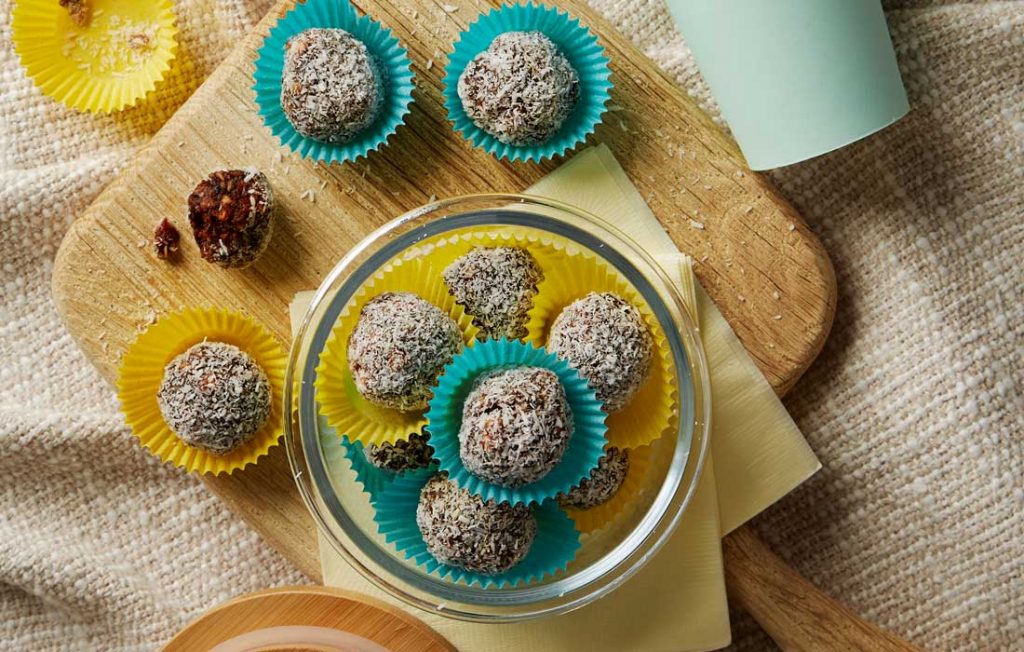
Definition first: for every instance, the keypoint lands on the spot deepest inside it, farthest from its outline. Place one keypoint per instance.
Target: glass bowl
(608, 557)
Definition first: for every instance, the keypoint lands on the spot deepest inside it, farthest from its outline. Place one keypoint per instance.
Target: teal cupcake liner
(444, 418)
(576, 42)
(392, 58)
(553, 548)
(372, 479)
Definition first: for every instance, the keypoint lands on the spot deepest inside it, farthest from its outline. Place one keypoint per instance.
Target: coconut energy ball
(331, 88)
(399, 347)
(402, 455)
(604, 337)
(496, 285)
(232, 216)
(460, 529)
(516, 425)
(214, 396)
(520, 89)
(603, 482)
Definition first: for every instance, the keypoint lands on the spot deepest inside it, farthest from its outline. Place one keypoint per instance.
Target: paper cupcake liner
(340, 402)
(142, 370)
(570, 273)
(444, 418)
(372, 478)
(553, 548)
(651, 412)
(382, 45)
(93, 68)
(595, 518)
(575, 41)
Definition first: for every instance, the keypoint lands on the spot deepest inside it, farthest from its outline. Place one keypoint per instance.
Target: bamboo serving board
(764, 268)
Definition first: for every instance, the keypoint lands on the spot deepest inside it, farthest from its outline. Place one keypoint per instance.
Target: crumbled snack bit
(604, 337)
(165, 239)
(516, 425)
(214, 396)
(402, 455)
(232, 216)
(520, 89)
(78, 10)
(399, 347)
(602, 483)
(138, 41)
(496, 285)
(462, 530)
(331, 88)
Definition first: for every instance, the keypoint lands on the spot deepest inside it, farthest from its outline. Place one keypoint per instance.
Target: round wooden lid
(307, 618)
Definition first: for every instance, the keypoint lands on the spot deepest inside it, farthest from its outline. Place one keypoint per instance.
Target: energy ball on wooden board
(460, 529)
(520, 89)
(402, 455)
(516, 425)
(331, 88)
(496, 285)
(232, 216)
(604, 337)
(214, 396)
(603, 482)
(399, 347)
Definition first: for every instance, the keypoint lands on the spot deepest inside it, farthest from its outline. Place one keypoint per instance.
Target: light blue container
(795, 78)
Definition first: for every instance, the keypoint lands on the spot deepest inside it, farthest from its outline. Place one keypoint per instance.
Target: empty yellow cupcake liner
(340, 402)
(108, 64)
(570, 273)
(142, 370)
(595, 518)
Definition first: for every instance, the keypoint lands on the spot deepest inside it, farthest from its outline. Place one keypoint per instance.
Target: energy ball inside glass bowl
(516, 425)
(520, 89)
(399, 347)
(331, 88)
(214, 396)
(602, 483)
(231, 213)
(496, 285)
(460, 529)
(402, 455)
(604, 337)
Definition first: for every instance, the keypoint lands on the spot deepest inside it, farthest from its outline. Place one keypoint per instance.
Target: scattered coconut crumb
(776, 317)
(776, 295)
(278, 157)
(739, 174)
(697, 225)
(707, 186)
(432, 199)
(449, 9)
(792, 227)
(430, 64)
(748, 209)
(742, 298)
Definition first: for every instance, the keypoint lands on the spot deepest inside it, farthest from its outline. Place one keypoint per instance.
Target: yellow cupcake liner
(340, 402)
(142, 370)
(108, 64)
(595, 518)
(570, 273)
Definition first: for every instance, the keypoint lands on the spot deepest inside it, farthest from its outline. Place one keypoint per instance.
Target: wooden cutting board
(755, 256)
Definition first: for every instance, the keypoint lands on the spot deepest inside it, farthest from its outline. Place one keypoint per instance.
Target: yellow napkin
(677, 601)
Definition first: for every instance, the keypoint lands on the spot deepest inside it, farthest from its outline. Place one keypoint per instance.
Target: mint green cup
(795, 78)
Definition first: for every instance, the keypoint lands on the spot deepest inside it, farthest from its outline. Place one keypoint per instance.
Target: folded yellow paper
(677, 601)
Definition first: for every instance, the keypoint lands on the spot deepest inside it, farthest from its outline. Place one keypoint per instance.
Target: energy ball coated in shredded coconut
(331, 88)
(516, 425)
(604, 337)
(402, 455)
(496, 285)
(460, 529)
(399, 347)
(231, 213)
(214, 396)
(520, 89)
(602, 483)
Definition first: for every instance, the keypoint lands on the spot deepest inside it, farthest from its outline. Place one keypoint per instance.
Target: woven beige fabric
(915, 407)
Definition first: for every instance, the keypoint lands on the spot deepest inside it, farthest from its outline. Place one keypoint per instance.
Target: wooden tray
(756, 257)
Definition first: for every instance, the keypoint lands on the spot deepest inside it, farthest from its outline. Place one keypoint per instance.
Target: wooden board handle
(790, 609)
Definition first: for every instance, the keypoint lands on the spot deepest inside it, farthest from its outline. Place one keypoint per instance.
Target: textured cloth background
(915, 407)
